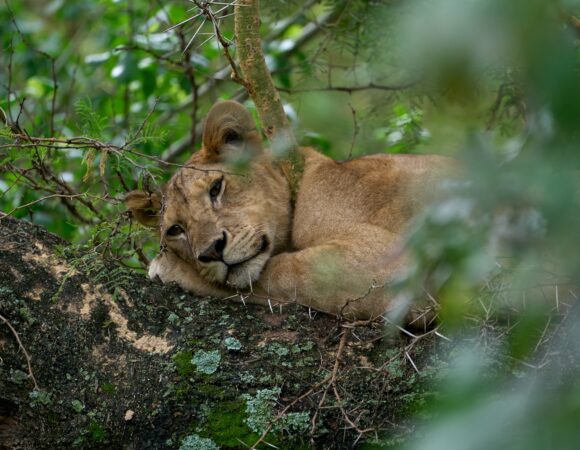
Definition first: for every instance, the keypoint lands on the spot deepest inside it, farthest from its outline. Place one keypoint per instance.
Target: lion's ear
(229, 129)
(145, 207)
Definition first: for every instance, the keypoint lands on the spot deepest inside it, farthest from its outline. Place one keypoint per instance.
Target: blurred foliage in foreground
(494, 83)
(504, 245)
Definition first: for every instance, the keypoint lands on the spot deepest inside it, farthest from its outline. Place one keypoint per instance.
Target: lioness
(336, 249)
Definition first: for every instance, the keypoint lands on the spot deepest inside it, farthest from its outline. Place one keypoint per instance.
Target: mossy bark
(122, 362)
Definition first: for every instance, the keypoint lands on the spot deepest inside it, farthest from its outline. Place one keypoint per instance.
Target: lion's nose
(215, 252)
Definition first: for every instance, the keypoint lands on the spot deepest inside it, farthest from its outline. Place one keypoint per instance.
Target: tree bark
(111, 354)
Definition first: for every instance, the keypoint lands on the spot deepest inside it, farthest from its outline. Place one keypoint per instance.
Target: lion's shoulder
(379, 190)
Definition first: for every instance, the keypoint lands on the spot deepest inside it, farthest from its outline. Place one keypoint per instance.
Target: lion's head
(223, 223)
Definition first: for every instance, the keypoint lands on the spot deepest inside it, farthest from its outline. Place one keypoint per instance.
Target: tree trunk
(111, 354)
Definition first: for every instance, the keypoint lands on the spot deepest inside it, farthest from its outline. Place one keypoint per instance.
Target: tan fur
(336, 251)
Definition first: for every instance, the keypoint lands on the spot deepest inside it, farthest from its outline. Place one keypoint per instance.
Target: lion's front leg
(336, 278)
(169, 267)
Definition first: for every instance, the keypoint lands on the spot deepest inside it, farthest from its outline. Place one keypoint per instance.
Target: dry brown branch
(331, 380)
(345, 415)
(363, 297)
(206, 10)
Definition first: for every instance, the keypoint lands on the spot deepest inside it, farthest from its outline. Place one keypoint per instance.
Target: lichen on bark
(105, 381)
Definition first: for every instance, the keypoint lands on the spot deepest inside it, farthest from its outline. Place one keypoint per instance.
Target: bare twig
(208, 14)
(346, 417)
(190, 75)
(26, 205)
(351, 89)
(26, 355)
(355, 130)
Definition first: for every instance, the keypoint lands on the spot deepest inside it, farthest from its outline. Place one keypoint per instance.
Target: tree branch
(351, 89)
(260, 86)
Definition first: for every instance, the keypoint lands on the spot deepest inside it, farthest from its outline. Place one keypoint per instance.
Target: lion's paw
(157, 268)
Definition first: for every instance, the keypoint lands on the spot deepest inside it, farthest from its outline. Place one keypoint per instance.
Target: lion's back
(380, 190)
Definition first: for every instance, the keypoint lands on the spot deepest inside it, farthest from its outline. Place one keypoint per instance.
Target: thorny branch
(190, 75)
(214, 17)
(42, 177)
(38, 174)
(330, 382)
(64, 191)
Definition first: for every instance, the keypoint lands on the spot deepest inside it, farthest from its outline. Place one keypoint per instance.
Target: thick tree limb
(104, 341)
(260, 86)
(255, 72)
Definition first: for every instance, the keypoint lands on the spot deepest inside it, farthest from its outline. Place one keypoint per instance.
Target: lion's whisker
(250, 280)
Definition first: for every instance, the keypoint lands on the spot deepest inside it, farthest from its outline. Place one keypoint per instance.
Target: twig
(26, 205)
(309, 32)
(142, 125)
(190, 75)
(541, 338)
(345, 415)
(350, 89)
(26, 355)
(355, 131)
(412, 362)
(88, 143)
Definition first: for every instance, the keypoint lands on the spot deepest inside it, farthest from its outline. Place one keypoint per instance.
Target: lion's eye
(215, 189)
(174, 230)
